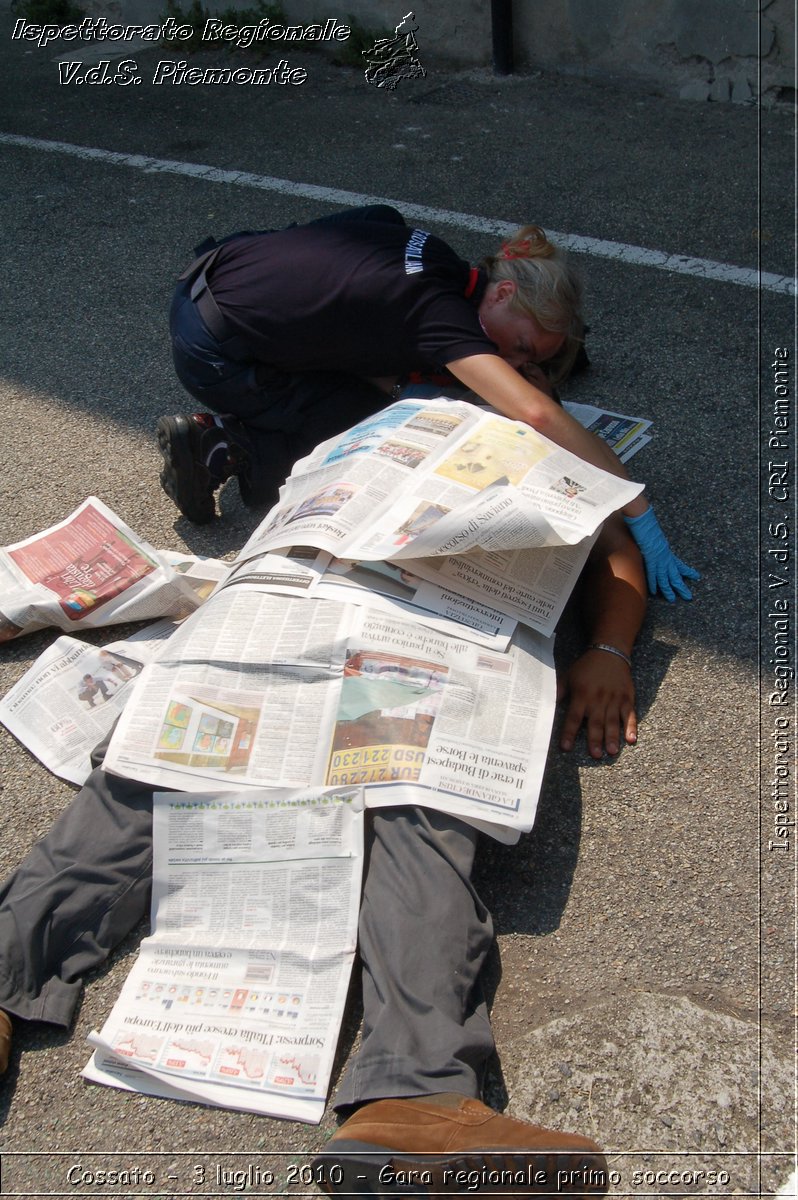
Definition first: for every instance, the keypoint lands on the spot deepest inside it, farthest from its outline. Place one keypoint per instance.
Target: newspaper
(385, 586)
(237, 998)
(200, 573)
(88, 570)
(625, 435)
(66, 703)
(529, 585)
(391, 588)
(383, 639)
(426, 479)
(261, 690)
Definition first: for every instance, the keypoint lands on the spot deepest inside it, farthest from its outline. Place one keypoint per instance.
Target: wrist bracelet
(612, 650)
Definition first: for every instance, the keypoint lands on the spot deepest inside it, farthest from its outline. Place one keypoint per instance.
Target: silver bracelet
(612, 650)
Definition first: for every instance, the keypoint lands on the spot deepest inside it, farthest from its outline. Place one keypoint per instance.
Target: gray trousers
(423, 934)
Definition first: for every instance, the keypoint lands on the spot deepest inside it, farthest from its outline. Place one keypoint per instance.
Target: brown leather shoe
(5, 1040)
(458, 1146)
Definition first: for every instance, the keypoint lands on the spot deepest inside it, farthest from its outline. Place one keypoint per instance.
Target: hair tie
(520, 250)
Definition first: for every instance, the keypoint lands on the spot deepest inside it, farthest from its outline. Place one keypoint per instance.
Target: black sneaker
(197, 461)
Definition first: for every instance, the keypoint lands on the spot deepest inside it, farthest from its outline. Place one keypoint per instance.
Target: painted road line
(679, 264)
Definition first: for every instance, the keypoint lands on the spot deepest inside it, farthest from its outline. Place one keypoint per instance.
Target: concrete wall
(696, 49)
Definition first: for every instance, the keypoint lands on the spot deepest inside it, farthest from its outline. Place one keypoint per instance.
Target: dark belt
(196, 274)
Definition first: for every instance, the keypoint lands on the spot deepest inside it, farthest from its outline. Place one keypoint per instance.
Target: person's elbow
(543, 413)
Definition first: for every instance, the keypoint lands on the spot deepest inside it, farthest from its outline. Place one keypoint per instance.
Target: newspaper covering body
(261, 690)
(86, 571)
(385, 586)
(237, 997)
(281, 684)
(66, 703)
(440, 478)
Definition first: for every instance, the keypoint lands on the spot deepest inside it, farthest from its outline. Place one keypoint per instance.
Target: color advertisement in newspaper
(88, 570)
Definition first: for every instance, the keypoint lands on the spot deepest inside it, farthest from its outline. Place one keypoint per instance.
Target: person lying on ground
(291, 336)
(412, 1092)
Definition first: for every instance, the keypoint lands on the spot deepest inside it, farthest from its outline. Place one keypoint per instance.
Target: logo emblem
(392, 59)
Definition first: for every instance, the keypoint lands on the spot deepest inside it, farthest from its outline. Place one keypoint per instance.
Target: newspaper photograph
(88, 570)
(624, 435)
(259, 690)
(237, 997)
(66, 703)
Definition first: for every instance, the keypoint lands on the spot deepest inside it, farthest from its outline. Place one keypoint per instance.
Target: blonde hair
(547, 288)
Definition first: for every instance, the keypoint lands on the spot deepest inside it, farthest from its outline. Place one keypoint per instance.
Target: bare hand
(601, 693)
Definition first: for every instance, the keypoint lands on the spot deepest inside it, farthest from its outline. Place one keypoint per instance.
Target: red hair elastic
(521, 249)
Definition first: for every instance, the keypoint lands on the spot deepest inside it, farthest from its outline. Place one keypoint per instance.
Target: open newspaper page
(86, 571)
(382, 585)
(260, 690)
(437, 478)
(392, 588)
(237, 997)
(624, 435)
(66, 703)
(531, 586)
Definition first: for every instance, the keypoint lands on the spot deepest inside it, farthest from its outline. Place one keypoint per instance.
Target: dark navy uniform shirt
(366, 297)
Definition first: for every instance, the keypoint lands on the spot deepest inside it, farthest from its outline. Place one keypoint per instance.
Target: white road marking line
(679, 264)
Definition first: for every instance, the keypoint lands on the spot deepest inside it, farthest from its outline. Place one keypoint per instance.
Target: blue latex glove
(663, 569)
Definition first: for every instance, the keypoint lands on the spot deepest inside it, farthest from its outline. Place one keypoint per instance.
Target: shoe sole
(353, 1168)
(187, 483)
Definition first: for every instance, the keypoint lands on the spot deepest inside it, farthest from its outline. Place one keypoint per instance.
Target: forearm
(495, 381)
(507, 391)
(614, 589)
(599, 684)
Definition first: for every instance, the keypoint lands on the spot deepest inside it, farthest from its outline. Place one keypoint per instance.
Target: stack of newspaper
(384, 638)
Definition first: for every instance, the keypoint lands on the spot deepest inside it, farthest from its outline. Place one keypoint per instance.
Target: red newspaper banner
(86, 562)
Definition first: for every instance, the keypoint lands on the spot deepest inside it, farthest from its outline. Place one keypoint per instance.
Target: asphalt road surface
(642, 983)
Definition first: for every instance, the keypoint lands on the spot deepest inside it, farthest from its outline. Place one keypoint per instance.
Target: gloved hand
(663, 569)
